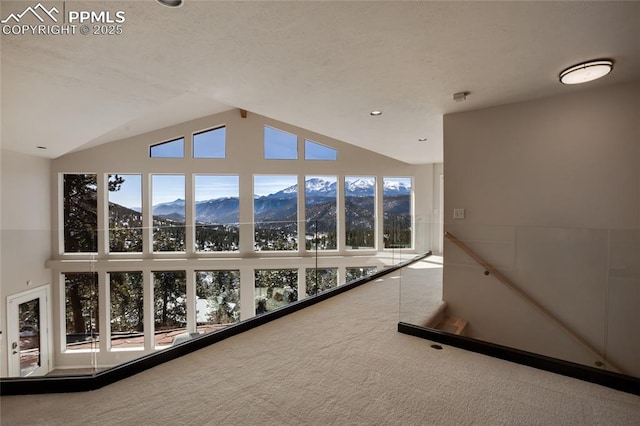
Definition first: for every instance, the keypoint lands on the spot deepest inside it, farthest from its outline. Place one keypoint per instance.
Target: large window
(319, 280)
(163, 237)
(210, 143)
(360, 204)
(396, 198)
(217, 299)
(275, 212)
(279, 145)
(168, 212)
(80, 216)
(127, 313)
(217, 212)
(320, 196)
(275, 288)
(81, 310)
(170, 149)
(125, 213)
(169, 305)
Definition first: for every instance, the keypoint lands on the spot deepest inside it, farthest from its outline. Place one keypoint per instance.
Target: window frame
(375, 216)
(411, 211)
(142, 213)
(194, 219)
(151, 215)
(297, 220)
(62, 217)
(336, 200)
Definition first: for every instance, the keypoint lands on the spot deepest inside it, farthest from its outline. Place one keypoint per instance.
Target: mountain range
(317, 187)
(320, 198)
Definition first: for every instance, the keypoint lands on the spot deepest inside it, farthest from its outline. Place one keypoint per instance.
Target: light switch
(458, 213)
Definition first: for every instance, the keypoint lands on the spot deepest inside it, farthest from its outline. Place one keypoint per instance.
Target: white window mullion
(102, 213)
(149, 326)
(302, 219)
(147, 217)
(247, 292)
(104, 303)
(341, 216)
(189, 216)
(191, 301)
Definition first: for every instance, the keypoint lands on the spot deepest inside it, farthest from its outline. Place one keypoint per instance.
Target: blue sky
(165, 188)
(210, 144)
(270, 184)
(209, 187)
(316, 151)
(279, 145)
(130, 193)
(169, 149)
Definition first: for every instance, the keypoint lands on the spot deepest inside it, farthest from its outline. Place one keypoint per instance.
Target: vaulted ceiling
(319, 65)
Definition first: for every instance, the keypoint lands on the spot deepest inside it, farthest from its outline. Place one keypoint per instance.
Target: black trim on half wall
(83, 383)
(598, 376)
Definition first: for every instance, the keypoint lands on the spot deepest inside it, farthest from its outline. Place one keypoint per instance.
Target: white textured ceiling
(322, 66)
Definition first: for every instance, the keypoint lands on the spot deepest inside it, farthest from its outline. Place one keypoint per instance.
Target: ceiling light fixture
(586, 71)
(375, 113)
(170, 3)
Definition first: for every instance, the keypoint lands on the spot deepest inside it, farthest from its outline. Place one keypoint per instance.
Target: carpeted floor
(340, 362)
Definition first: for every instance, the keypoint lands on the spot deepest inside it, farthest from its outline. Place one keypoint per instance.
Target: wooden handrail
(489, 269)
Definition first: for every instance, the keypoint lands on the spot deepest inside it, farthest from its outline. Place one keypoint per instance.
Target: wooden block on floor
(452, 325)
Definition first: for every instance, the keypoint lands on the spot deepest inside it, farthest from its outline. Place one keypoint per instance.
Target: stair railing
(490, 270)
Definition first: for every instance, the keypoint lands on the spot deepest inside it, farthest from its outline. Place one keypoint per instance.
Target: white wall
(551, 192)
(25, 229)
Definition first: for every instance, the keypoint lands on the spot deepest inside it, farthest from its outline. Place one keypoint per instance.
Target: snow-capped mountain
(359, 188)
(314, 188)
(317, 187)
(282, 203)
(392, 188)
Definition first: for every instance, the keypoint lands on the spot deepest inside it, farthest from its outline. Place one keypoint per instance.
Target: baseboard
(606, 378)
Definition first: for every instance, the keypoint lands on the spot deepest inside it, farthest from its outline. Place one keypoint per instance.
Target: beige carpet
(340, 362)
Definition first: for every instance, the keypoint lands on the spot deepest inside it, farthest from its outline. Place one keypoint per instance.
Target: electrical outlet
(458, 213)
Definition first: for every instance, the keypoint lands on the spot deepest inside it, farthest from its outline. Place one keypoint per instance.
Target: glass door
(28, 333)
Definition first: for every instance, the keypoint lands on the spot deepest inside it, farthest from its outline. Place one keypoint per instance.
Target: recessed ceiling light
(41, 147)
(586, 71)
(375, 113)
(170, 3)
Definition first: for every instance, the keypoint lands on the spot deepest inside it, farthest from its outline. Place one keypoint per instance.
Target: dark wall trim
(63, 384)
(598, 376)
